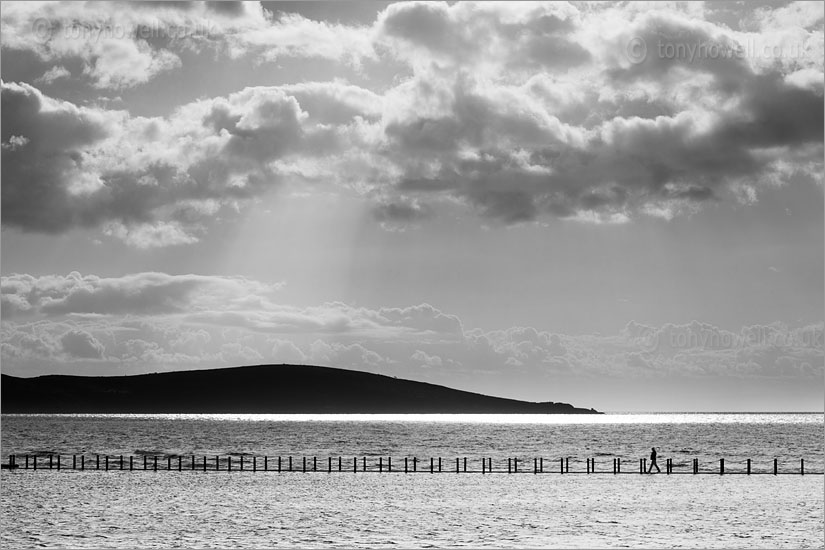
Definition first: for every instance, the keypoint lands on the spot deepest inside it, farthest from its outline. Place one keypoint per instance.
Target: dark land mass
(258, 389)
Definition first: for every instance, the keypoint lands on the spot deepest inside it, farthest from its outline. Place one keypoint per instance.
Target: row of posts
(486, 464)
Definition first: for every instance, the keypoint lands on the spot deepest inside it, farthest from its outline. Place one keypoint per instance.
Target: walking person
(653, 455)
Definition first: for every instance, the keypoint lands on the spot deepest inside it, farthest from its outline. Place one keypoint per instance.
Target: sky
(618, 206)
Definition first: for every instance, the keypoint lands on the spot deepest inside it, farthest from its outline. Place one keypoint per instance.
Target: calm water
(122, 509)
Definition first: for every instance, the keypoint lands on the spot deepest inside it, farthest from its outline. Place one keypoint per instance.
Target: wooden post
(588, 465)
(415, 464)
(541, 465)
(192, 464)
(51, 462)
(439, 464)
(329, 465)
(304, 466)
(74, 462)
(561, 465)
(618, 465)
(314, 463)
(107, 463)
(131, 463)
(290, 463)
(34, 461)
(431, 464)
(380, 464)
(339, 463)
(405, 465)
(354, 465)
(266, 463)
(389, 464)
(567, 465)
(775, 467)
(802, 466)
(509, 465)
(229, 463)
(82, 462)
(121, 462)
(483, 465)
(535, 465)
(465, 464)
(168, 462)
(254, 463)
(242, 463)
(641, 467)
(364, 464)
(180, 463)
(749, 466)
(97, 462)
(58, 461)
(456, 464)
(721, 466)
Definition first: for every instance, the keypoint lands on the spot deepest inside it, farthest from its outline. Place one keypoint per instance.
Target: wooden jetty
(377, 464)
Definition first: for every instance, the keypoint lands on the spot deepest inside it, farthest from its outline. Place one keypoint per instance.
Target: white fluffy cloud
(138, 294)
(517, 110)
(158, 321)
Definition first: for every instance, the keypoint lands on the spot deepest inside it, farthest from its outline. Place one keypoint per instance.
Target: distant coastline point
(285, 389)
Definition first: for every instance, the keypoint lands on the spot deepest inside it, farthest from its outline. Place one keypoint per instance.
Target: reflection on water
(191, 509)
(555, 419)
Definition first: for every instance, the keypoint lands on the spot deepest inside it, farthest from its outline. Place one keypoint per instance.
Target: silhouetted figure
(653, 456)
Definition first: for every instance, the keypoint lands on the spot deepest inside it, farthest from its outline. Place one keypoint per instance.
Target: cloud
(518, 111)
(82, 345)
(108, 44)
(138, 294)
(150, 235)
(488, 35)
(128, 46)
(426, 360)
(150, 320)
(155, 182)
(55, 73)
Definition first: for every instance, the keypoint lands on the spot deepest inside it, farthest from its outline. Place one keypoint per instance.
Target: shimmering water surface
(148, 509)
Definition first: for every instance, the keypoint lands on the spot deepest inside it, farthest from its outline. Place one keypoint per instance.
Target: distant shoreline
(262, 389)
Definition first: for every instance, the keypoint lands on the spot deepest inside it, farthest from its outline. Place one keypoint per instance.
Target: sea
(372, 509)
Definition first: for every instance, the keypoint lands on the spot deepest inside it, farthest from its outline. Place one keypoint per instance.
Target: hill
(256, 389)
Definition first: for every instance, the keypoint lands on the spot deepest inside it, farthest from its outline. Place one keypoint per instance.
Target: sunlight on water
(551, 419)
